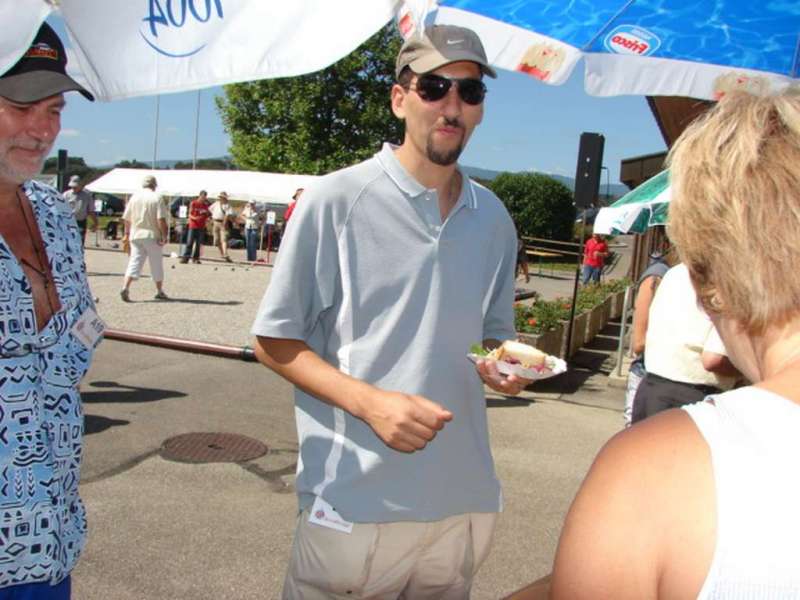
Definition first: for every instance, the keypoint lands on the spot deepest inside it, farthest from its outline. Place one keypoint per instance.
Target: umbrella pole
(575, 289)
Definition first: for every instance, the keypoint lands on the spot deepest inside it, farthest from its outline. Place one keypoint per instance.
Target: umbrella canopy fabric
(648, 47)
(120, 48)
(642, 207)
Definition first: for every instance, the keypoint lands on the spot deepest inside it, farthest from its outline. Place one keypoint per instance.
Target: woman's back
(755, 455)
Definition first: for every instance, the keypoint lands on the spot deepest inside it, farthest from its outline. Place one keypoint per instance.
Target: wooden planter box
(578, 335)
(549, 342)
(595, 323)
(617, 301)
(606, 306)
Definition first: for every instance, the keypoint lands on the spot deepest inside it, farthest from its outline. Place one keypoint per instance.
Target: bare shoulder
(647, 498)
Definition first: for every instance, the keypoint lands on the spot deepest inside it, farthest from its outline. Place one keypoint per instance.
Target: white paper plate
(509, 369)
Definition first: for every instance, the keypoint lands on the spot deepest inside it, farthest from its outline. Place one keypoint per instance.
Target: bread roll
(528, 356)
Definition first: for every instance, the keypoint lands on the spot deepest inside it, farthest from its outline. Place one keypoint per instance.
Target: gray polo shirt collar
(413, 188)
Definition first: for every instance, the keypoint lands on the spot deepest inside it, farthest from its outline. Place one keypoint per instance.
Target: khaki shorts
(411, 560)
(219, 232)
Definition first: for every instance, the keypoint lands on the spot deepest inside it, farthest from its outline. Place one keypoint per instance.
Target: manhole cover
(212, 447)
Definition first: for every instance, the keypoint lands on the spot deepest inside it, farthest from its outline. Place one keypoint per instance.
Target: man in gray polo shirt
(391, 269)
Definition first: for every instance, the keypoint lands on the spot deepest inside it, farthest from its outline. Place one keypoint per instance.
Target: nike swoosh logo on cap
(453, 42)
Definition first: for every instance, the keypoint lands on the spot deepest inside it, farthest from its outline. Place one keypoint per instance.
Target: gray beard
(16, 176)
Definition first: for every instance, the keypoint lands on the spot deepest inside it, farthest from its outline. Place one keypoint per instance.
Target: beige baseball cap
(441, 45)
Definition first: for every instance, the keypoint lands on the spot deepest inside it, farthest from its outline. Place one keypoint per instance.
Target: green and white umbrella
(637, 210)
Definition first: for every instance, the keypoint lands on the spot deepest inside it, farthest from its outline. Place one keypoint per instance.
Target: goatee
(445, 158)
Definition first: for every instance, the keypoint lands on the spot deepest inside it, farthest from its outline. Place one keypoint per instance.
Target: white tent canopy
(274, 188)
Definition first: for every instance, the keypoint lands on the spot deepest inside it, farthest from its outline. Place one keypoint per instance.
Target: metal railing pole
(622, 327)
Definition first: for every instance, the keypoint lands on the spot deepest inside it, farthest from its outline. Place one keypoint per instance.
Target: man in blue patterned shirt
(48, 330)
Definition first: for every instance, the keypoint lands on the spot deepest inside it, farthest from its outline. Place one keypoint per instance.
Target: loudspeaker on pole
(62, 170)
(587, 175)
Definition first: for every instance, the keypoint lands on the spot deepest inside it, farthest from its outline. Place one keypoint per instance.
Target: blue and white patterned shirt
(42, 520)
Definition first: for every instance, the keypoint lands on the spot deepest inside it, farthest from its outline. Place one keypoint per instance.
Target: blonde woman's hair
(735, 210)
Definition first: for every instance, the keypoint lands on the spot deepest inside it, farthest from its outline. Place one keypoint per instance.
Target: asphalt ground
(161, 529)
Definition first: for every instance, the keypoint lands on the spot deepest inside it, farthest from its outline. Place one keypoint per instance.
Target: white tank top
(754, 437)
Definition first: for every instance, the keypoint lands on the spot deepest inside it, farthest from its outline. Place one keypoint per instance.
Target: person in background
(396, 483)
(145, 219)
(522, 260)
(49, 330)
(251, 218)
(81, 201)
(685, 359)
(595, 252)
(181, 223)
(701, 502)
(660, 263)
(221, 215)
(290, 207)
(198, 216)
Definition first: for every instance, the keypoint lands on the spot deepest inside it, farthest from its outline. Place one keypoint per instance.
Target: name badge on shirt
(88, 329)
(325, 515)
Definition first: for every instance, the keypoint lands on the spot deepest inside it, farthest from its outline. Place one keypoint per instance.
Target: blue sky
(527, 126)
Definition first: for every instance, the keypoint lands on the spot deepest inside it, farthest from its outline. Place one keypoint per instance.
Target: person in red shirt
(290, 207)
(198, 215)
(594, 256)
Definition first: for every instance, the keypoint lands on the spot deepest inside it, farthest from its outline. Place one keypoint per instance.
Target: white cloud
(104, 141)
(70, 132)
(172, 129)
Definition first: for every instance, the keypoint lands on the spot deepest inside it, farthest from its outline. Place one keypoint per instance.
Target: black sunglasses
(433, 88)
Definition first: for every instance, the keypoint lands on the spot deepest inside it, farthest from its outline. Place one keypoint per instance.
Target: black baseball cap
(41, 72)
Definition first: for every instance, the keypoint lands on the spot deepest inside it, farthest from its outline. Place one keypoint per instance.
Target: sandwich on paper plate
(521, 360)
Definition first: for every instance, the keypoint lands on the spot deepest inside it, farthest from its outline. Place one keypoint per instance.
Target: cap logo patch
(42, 50)
(454, 42)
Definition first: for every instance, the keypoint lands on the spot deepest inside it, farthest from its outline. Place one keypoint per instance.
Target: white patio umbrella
(642, 207)
(121, 48)
(642, 47)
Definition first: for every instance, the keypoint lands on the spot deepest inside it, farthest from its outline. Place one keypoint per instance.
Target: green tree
(319, 122)
(214, 164)
(540, 205)
(132, 164)
(76, 165)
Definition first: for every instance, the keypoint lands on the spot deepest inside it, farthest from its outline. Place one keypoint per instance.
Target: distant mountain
(166, 164)
(170, 164)
(486, 174)
(615, 189)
